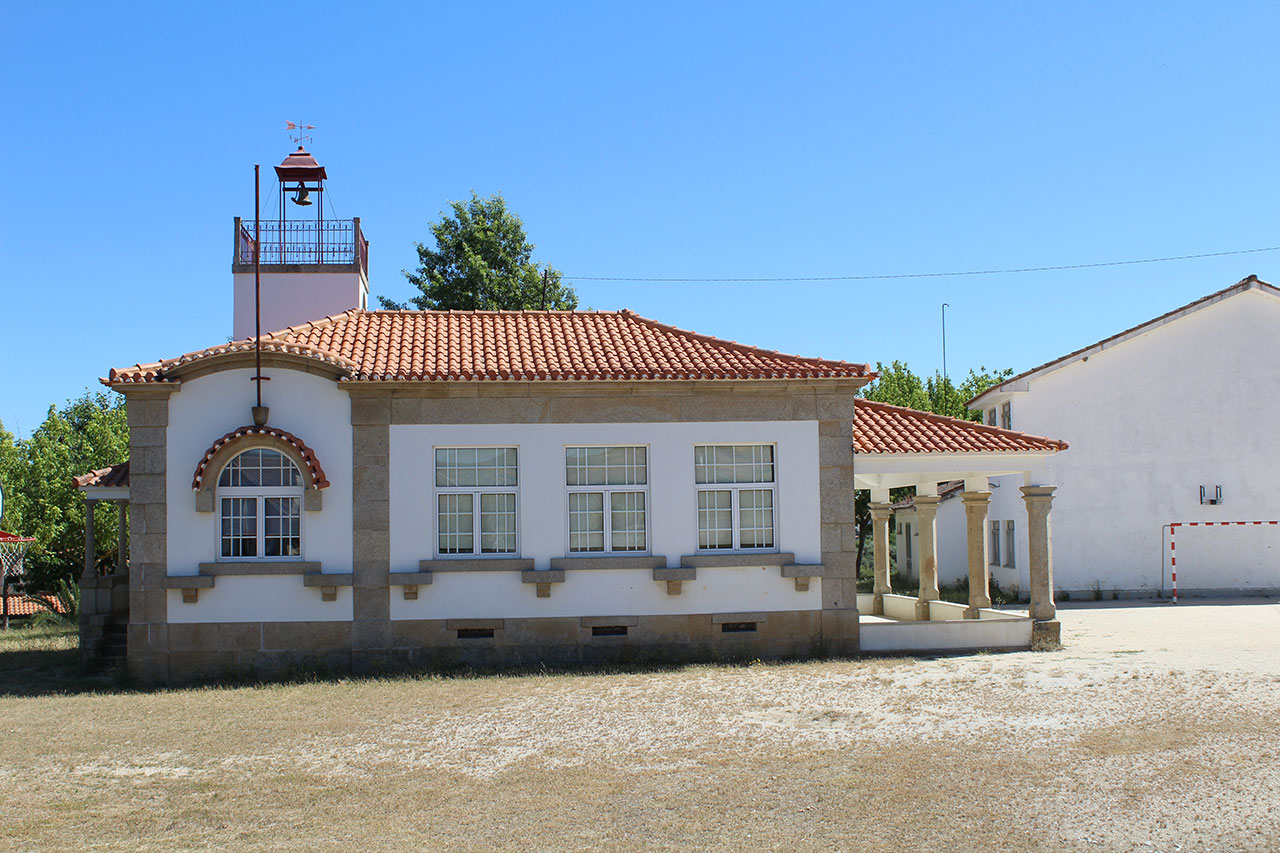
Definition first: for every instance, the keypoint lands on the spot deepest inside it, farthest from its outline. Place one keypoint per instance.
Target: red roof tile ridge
(310, 325)
(976, 426)
(858, 369)
(1242, 285)
(112, 475)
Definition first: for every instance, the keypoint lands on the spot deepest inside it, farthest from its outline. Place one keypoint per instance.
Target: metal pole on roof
(946, 381)
(257, 283)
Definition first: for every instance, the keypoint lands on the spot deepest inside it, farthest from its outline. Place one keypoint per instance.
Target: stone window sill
(261, 567)
(327, 582)
(737, 558)
(492, 564)
(608, 561)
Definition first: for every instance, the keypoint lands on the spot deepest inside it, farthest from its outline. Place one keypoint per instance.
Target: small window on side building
(1006, 415)
(1009, 550)
(994, 558)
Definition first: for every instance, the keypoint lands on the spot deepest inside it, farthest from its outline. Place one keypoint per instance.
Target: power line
(926, 274)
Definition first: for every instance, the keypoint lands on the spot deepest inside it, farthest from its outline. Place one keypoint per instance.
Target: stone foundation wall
(275, 649)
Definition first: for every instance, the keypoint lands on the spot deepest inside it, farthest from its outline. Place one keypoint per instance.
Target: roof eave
(1022, 381)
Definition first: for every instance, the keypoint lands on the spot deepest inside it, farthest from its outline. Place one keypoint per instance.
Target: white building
(1173, 457)
(381, 488)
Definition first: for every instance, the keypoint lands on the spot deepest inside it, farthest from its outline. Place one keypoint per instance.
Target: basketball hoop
(12, 550)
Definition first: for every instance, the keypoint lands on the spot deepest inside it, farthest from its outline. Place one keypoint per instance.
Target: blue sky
(648, 140)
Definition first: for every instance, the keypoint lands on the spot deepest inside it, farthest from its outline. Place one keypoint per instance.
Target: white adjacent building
(1173, 458)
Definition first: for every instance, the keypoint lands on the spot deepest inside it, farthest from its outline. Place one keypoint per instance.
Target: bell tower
(310, 266)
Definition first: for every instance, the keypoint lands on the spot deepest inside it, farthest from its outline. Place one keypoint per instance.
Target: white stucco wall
(542, 522)
(614, 592)
(273, 598)
(312, 408)
(289, 299)
(1149, 421)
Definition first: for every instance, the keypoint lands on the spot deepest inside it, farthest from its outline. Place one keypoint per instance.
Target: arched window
(260, 500)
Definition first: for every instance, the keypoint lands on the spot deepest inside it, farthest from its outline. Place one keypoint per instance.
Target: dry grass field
(1155, 729)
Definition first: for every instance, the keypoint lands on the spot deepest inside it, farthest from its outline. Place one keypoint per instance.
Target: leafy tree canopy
(40, 500)
(899, 386)
(482, 261)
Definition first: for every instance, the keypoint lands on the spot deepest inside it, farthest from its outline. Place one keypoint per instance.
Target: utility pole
(545, 274)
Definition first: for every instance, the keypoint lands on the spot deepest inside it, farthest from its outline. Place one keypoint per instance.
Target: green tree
(899, 386)
(482, 261)
(40, 499)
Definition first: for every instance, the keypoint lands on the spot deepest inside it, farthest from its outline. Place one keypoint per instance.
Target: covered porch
(897, 448)
(104, 590)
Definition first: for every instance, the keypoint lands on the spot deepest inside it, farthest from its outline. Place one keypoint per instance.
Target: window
(738, 513)
(260, 507)
(906, 546)
(1006, 415)
(476, 491)
(1009, 550)
(991, 417)
(995, 544)
(608, 499)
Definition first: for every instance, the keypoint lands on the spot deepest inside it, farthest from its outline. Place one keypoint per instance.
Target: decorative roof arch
(232, 354)
(298, 451)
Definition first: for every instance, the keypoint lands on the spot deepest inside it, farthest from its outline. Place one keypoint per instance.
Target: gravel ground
(1155, 728)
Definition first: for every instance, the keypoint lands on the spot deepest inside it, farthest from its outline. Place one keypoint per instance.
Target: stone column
(838, 619)
(927, 518)
(90, 543)
(371, 629)
(122, 539)
(975, 511)
(148, 632)
(1040, 539)
(881, 515)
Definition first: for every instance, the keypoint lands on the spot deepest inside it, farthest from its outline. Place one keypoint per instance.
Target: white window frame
(607, 491)
(261, 493)
(991, 416)
(993, 558)
(1010, 546)
(475, 492)
(734, 505)
(1006, 414)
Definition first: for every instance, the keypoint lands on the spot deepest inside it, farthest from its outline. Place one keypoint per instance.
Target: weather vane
(301, 136)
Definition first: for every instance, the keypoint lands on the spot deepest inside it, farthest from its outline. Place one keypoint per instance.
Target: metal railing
(304, 242)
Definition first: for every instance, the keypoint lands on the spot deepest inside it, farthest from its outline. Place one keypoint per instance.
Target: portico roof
(896, 446)
(884, 428)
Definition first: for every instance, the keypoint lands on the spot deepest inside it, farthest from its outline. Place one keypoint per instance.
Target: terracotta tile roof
(515, 345)
(20, 605)
(115, 475)
(1248, 283)
(316, 473)
(882, 428)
